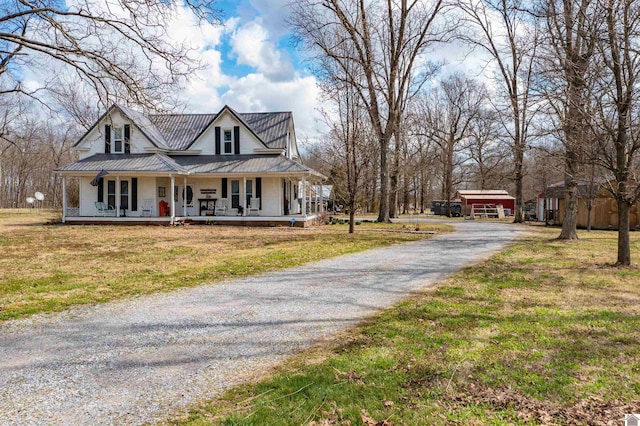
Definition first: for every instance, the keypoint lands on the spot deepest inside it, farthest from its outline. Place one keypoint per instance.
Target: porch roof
(124, 163)
(255, 164)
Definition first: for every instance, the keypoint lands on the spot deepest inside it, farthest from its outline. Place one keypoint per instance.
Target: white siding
(94, 140)
(207, 141)
(271, 197)
(89, 194)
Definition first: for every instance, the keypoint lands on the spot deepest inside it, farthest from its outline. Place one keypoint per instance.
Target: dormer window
(226, 139)
(117, 140)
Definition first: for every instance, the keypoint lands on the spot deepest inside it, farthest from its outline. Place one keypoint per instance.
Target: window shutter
(259, 191)
(127, 135)
(101, 190)
(107, 139)
(236, 140)
(224, 187)
(134, 192)
(217, 132)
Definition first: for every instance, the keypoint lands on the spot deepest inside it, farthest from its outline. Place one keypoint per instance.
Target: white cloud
(256, 93)
(252, 46)
(274, 14)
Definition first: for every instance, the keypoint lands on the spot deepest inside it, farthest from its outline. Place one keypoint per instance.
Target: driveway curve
(137, 361)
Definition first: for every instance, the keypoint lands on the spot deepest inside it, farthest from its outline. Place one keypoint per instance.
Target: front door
(184, 196)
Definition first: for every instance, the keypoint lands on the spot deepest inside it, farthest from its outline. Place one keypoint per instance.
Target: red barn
(485, 200)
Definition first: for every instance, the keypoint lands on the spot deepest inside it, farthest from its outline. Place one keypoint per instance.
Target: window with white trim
(227, 136)
(117, 146)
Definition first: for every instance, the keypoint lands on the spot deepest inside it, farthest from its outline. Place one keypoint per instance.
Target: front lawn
(546, 332)
(46, 267)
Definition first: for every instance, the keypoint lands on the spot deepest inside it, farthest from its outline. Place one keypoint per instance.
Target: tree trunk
(570, 220)
(518, 214)
(383, 213)
(624, 244)
(393, 196)
(352, 217)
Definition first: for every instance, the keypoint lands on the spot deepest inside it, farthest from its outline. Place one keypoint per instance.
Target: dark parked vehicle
(439, 208)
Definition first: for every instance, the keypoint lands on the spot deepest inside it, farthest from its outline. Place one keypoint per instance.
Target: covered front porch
(266, 200)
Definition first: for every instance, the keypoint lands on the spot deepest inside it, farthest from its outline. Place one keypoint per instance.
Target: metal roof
(244, 164)
(177, 132)
(469, 192)
(272, 127)
(191, 164)
(146, 126)
(124, 162)
(487, 197)
(180, 130)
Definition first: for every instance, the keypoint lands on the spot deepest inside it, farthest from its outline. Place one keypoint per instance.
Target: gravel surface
(140, 360)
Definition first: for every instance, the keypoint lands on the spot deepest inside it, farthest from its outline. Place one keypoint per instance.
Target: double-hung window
(117, 140)
(227, 140)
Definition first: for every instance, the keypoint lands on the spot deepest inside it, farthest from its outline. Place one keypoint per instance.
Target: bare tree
(501, 29)
(487, 151)
(118, 48)
(619, 107)
(448, 115)
(566, 75)
(383, 40)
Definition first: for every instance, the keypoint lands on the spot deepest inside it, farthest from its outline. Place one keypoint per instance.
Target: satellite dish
(30, 200)
(39, 196)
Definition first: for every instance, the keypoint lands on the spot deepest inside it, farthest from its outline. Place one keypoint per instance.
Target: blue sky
(252, 65)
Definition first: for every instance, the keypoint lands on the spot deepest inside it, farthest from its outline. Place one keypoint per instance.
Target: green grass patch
(542, 333)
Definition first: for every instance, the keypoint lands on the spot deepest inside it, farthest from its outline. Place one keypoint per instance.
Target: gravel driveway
(140, 360)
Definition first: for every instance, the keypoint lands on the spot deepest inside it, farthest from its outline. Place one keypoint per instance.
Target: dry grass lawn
(544, 333)
(46, 267)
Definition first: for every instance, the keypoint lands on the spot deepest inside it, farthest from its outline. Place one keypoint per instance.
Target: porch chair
(147, 207)
(104, 209)
(254, 207)
(222, 207)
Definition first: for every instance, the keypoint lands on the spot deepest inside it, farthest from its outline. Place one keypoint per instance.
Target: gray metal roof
(245, 164)
(272, 127)
(146, 126)
(191, 164)
(124, 163)
(180, 130)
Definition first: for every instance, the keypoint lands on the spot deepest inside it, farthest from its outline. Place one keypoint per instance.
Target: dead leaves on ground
(592, 411)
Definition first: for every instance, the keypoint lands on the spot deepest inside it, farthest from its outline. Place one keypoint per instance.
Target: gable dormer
(118, 131)
(229, 134)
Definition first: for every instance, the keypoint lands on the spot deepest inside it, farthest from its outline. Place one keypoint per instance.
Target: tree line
(557, 96)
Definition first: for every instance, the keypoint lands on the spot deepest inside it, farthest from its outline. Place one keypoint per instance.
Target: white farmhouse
(229, 167)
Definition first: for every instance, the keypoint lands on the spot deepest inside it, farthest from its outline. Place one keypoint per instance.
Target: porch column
(318, 189)
(303, 192)
(244, 196)
(184, 198)
(64, 199)
(173, 199)
(117, 196)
